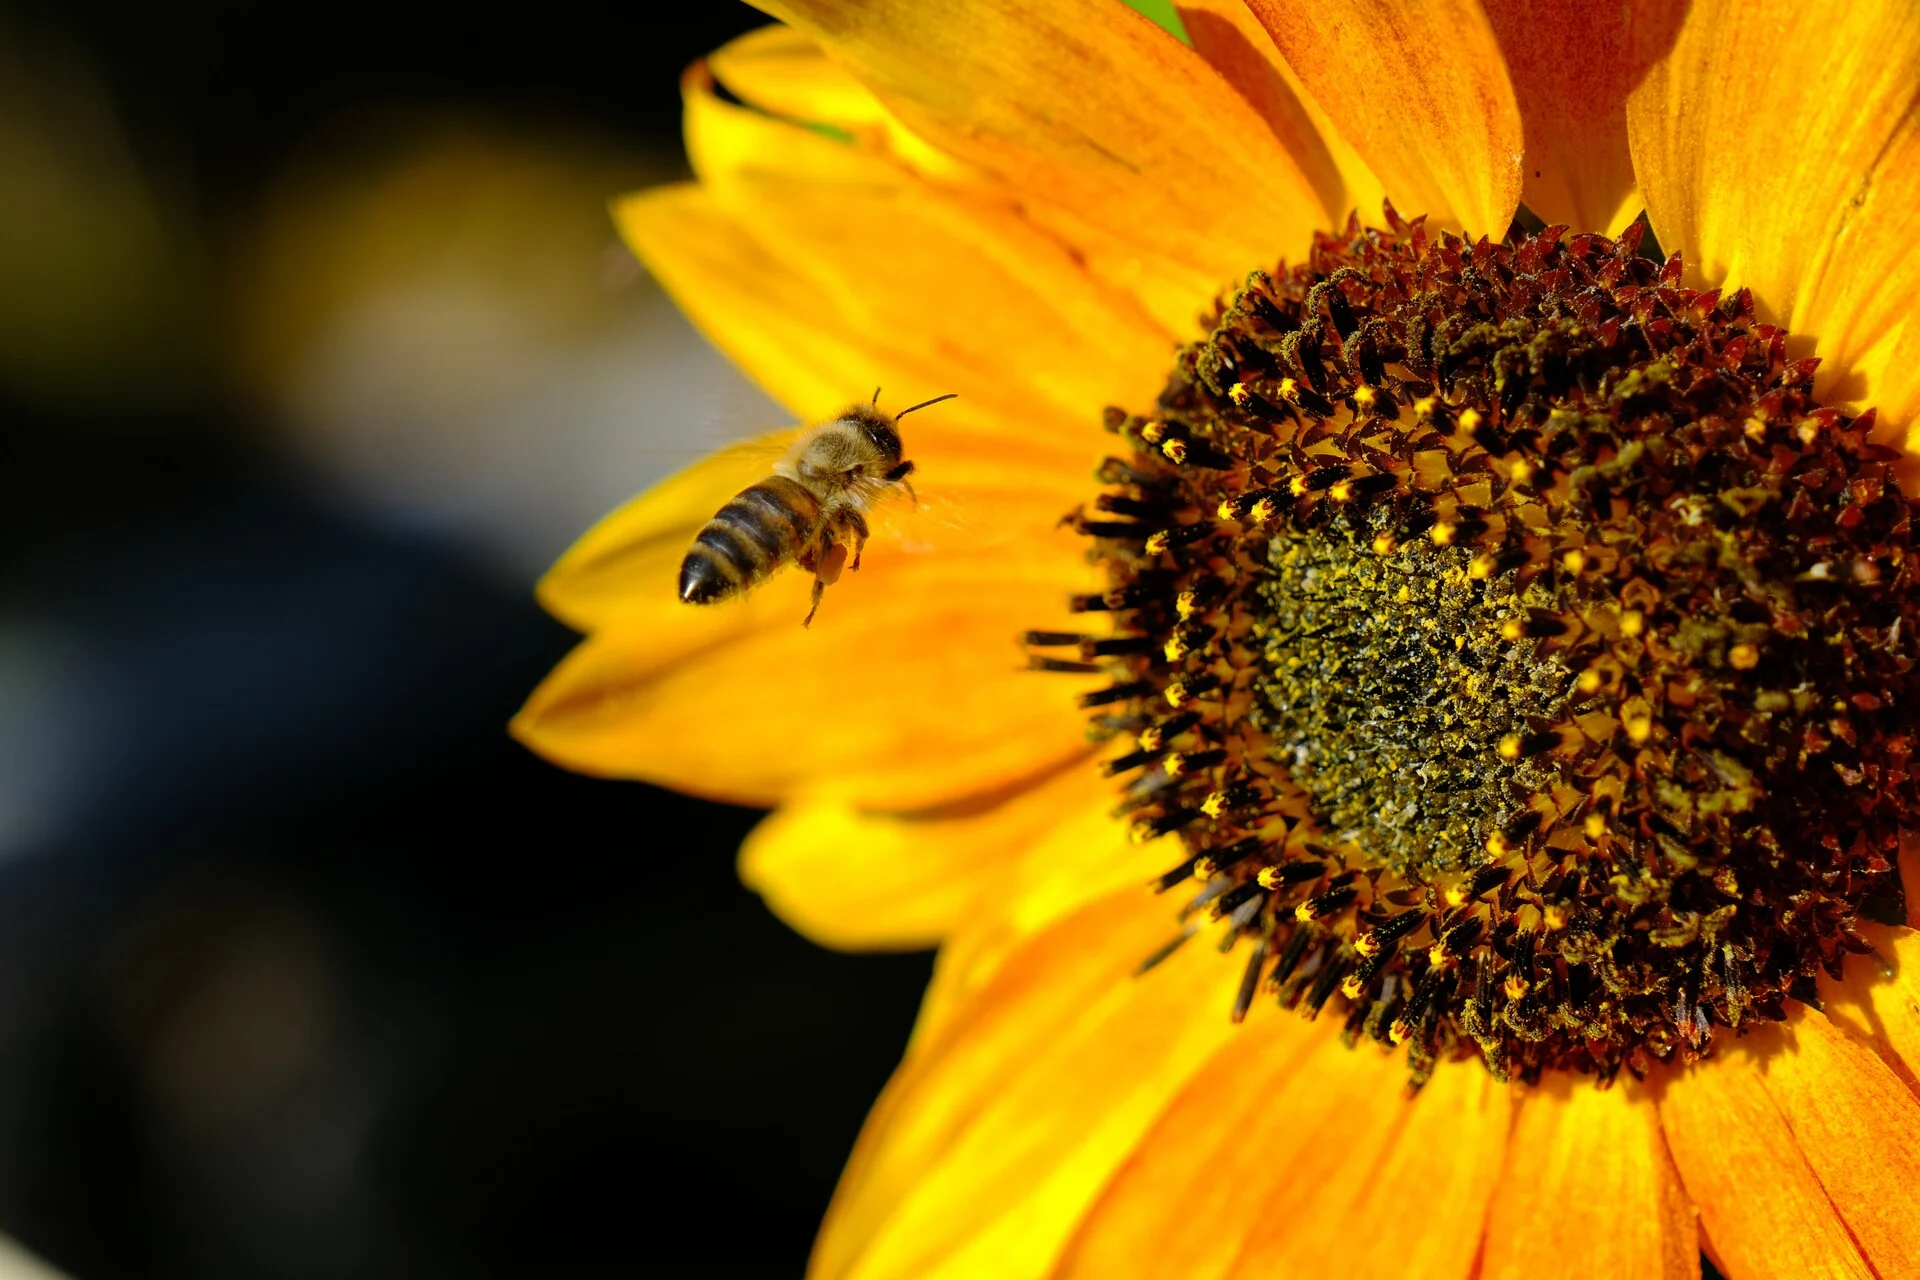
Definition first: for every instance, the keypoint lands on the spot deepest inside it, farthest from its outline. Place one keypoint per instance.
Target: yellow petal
(857, 879)
(1859, 1127)
(1879, 1000)
(1283, 1099)
(1589, 1191)
(988, 1145)
(1087, 105)
(908, 690)
(952, 287)
(1444, 1155)
(1227, 35)
(1761, 1207)
(1084, 856)
(1777, 145)
(1418, 87)
(1573, 107)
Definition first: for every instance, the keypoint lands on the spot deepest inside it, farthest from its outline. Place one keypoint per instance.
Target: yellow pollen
(1175, 449)
(1512, 629)
(1215, 803)
(1424, 406)
(1303, 913)
(1510, 747)
(1239, 394)
(1554, 916)
(1442, 533)
(1456, 894)
(1481, 569)
(1367, 945)
(1497, 845)
(1156, 543)
(1151, 739)
(1297, 486)
(1438, 956)
(1262, 511)
(1808, 431)
(1176, 692)
(1744, 657)
(1351, 986)
(1589, 681)
(1289, 388)
(1363, 397)
(1516, 986)
(1632, 623)
(1225, 510)
(1175, 647)
(1175, 763)
(1205, 869)
(1185, 604)
(1140, 832)
(1470, 420)
(1383, 545)
(1399, 1031)
(1522, 471)
(1575, 560)
(1268, 878)
(1639, 726)
(1595, 825)
(1342, 491)
(1756, 428)
(1153, 432)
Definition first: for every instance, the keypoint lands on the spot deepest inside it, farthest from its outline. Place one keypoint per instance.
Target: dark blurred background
(315, 346)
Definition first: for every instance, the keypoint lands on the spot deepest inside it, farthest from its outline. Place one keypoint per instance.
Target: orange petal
(1573, 107)
(1879, 1000)
(1282, 1092)
(1777, 145)
(1761, 1206)
(855, 879)
(1087, 105)
(1589, 1190)
(1859, 1127)
(1418, 87)
(1228, 36)
(989, 1143)
(909, 689)
(1444, 1155)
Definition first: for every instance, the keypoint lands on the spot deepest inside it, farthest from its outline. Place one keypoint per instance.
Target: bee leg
(832, 559)
(857, 524)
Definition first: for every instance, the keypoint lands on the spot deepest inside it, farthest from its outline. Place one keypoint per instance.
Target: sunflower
(1485, 625)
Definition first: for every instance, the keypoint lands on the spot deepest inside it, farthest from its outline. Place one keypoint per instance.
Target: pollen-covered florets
(1520, 653)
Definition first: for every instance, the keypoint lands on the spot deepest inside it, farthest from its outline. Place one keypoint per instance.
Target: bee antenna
(876, 395)
(951, 395)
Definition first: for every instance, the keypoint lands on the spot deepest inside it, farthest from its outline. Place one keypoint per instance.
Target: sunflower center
(1517, 649)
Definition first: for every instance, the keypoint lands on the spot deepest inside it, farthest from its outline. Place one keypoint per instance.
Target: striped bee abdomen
(760, 529)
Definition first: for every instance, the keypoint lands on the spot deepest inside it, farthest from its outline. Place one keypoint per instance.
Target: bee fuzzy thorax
(809, 512)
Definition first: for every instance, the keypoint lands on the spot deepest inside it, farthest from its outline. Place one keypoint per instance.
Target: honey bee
(807, 511)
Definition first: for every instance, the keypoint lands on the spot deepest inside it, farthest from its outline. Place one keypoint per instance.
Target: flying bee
(807, 511)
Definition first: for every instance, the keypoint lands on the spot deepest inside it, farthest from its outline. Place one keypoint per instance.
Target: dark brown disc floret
(1518, 651)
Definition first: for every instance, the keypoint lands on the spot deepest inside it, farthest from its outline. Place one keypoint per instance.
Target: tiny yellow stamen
(1756, 428)
(1153, 432)
(1522, 472)
(1632, 623)
(1363, 397)
(1157, 543)
(1456, 894)
(1186, 604)
(1424, 406)
(1481, 569)
(1438, 956)
(1342, 491)
(1176, 692)
(1442, 533)
(1175, 648)
(1367, 945)
(1595, 826)
(1497, 846)
(1297, 486)
(1351, 986)
(1239, 394)
(1214, 805)
(1554, 916)
(1225, 510)
(1575, 560)
(1151, 739)
(1510, 747)
(1589, 681)
(1268, 878)
(1516, 986)
(1399, 1031)
(1470, 420)
(1175, 449)
(1383, 545)
(1303, 913)
(1512, 629)
(1744, 657)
